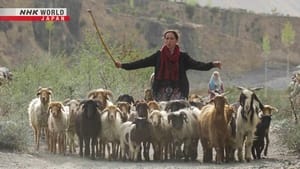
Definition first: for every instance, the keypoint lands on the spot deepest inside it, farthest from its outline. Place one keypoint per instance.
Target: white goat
(246, 121)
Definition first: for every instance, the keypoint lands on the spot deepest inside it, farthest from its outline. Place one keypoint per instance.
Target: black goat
(259, 142)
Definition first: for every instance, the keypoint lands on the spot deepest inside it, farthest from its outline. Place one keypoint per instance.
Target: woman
(170, 66)
(215, 84)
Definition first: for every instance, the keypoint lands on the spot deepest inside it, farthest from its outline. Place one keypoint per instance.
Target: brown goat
(213, 125)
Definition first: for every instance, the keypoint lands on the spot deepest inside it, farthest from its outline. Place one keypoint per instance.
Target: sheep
(197, 100)
(110, 130)
(102, 95)
(153, 105)
(57, 125)
(148, 95)
(175, 105)
(88, 126)
(38, 114)
(73, 105)
(134, 133)
(126, 98)
(184, 129)
(246, 121)
(161, 135)
(213, 129)
(125, 108)
(142, 110)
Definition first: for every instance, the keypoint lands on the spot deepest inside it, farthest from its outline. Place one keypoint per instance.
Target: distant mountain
(281, 7)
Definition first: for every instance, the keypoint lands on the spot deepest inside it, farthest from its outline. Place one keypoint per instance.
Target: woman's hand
(118, 64)
(217, 64)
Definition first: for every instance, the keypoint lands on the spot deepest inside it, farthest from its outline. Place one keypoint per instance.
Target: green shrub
(69, 77)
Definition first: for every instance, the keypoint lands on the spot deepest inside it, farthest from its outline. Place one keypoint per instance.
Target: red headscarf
(169, 64)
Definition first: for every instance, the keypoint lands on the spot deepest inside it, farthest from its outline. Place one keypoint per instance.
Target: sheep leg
(253, 149)
(193, 149)
(80, 146)
(161, 151)
(38, 138)
(165, 150)
(94, 143)
(156, 148)
(186, 150)
(146, 146)
(137, 151)
(108, 150)
(87, 146)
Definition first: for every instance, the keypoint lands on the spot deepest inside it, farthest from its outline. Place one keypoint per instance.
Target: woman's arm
(197, 65)
(142, 63)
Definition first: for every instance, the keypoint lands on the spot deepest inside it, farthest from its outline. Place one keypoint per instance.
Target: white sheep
(161, 134)
(38, 113)
(102, 95)
(110, 129)
(73, 106)
(185, 129)
(57, 125)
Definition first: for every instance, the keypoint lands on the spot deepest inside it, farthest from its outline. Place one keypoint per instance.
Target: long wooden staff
(102, 41)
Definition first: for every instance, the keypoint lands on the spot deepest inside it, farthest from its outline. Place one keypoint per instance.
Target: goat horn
(256, 88)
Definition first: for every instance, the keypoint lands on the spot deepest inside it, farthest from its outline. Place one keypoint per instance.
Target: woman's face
(170, 40)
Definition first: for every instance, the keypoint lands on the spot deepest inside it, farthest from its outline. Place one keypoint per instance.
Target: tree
(288, 39)
(49, 26)
(266, 51)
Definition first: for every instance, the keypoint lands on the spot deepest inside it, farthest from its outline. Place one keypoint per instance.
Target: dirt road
(279, 157)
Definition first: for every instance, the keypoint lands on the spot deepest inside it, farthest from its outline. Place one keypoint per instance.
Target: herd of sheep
(126, 129)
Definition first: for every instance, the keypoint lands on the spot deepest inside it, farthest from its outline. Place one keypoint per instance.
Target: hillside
(232, 36)
(280, 7)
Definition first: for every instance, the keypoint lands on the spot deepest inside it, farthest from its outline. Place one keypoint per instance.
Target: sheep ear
(50, 90)
(91, 94)
(108, 93)
(49, 109)
(66, 101)
(170, 117)
(62, 108)
(274, 108)
(183, 114)
(38, 92)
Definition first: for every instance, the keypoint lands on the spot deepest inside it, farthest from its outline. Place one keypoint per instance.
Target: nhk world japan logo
(34, 14)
